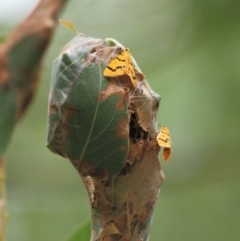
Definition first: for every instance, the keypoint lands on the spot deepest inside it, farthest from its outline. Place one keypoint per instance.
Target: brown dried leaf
(144, 103)
(108, 230)
(135, 152)
(113, 89)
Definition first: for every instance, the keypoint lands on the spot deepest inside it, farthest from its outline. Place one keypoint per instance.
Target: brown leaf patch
(52, 108)
(113, 89)
(104, 54)
(123, 129)
(108, 230)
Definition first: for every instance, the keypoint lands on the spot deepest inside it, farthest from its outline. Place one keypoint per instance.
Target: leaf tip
(68, 24)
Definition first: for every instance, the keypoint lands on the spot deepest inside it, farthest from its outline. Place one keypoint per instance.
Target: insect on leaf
(122, 65)
(164, 141)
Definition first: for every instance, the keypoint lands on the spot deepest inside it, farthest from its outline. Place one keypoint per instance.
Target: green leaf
(85, 122)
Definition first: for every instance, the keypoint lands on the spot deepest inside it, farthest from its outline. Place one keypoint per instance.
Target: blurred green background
(190, 53)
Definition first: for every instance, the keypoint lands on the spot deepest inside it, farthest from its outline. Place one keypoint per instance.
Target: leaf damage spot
(52, 108)
(113, 89)
(136, 131)
(61, 128)
(123, 129)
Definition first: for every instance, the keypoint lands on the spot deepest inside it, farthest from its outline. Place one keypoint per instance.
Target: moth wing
(163, 137)
(129, 67)
(131, 74)
(121, 65)
(163, 140)
(166, 153)
(165, 130)
(114, 69)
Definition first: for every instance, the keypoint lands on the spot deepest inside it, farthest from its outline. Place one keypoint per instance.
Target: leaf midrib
(93, 122)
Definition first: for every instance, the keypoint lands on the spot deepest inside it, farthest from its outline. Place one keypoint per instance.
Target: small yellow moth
(164, 141)
(122, 65)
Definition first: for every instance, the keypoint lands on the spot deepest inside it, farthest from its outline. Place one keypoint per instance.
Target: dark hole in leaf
(124, 171)
(135, 131)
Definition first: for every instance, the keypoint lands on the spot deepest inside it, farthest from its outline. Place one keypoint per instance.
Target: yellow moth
(122, 65)
(164, 141)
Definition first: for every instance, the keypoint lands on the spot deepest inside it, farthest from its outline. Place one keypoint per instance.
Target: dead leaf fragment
(108, 230)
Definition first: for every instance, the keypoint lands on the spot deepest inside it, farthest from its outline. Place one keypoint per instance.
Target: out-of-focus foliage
(7, 118)
(84, 232)
(190, 53)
